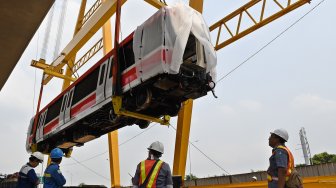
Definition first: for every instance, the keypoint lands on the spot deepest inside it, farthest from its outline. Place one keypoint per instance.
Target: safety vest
(290, 164)
(145, 168)
(24, 180)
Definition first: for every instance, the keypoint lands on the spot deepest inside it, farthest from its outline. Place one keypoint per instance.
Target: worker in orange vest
(281, 162)
(153, 172)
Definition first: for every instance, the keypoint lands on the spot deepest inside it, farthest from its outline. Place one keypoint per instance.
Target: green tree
(324, 157)
(190, 177)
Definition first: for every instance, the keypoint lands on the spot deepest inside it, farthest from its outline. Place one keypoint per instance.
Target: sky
(289, 84)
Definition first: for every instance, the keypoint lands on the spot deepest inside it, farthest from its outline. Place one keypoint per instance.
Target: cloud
(313, 104)
(250, 105)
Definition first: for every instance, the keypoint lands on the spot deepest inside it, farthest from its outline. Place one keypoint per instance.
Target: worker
(153, 172)
(254, 178)
(27, 176)
(281, 162)
(53, 177)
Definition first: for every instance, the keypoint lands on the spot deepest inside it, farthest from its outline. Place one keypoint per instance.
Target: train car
(164, 62)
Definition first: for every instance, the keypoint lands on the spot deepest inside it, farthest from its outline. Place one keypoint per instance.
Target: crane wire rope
(271, 41)
(47, 33)
(36, 54)
(250, 57)
(60, 28)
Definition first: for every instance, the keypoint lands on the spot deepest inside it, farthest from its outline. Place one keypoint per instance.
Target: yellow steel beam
(308, 182)
(91, 11)
(184, 122)
(156, 3)
(197, 5)
(97, 20)
(239, 33)
(70, 63)
(50, 70)
(42, 65)
(87, 56)
(117, 107)
(182, 138)
(114, 158)
(113, 142)
(53, 73)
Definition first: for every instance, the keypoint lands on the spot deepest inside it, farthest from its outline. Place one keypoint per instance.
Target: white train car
(164, 62)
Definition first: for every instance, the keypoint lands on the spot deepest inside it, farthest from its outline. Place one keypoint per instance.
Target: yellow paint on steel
(182, 138)
(70, 63)
(88, 55)
(97, 20)
(308, 182)
(53, 73)
(117, 107)
(263, 21)
(197, 5)
(184, 122)
(155, 3)
(113, 142)
(40, 64)
(114, 158)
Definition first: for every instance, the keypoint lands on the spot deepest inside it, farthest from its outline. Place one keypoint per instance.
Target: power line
(90, 169)
(213, 161)
(137, 134)
(267, 44)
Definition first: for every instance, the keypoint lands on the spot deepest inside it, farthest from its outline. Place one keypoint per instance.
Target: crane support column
(113, 142)
(184, 121)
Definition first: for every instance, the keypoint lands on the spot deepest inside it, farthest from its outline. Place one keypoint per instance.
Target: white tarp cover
(176, 22)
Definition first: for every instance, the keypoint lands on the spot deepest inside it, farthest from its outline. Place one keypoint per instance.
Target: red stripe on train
(85, 104)
(50, 126)
(128, 76)
(146, 64)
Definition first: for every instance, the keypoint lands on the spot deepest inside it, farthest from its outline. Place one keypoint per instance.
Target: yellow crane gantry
(98, 17)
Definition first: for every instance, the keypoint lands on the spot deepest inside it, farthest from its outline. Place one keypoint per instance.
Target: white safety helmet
(156, 146)
(38, 155)
(282, 133)
(255, 178)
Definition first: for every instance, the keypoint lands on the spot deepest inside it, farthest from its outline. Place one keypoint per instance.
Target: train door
(108, 84)
(66, 107)
(40, 125)
(100, 91)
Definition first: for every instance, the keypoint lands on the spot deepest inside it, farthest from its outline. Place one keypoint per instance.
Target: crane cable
(60, 28)
(47, 33)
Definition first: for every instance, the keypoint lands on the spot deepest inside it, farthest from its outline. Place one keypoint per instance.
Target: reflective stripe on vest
(145, 167)
(290, 164)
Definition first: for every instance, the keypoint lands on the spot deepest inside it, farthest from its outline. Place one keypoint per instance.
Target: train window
(70, 96)
(126, 55)
(190, 49)
(86, 86)
(53, 110)
(110, 75)
(152, 37)
(65, 97)
(102, 74)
